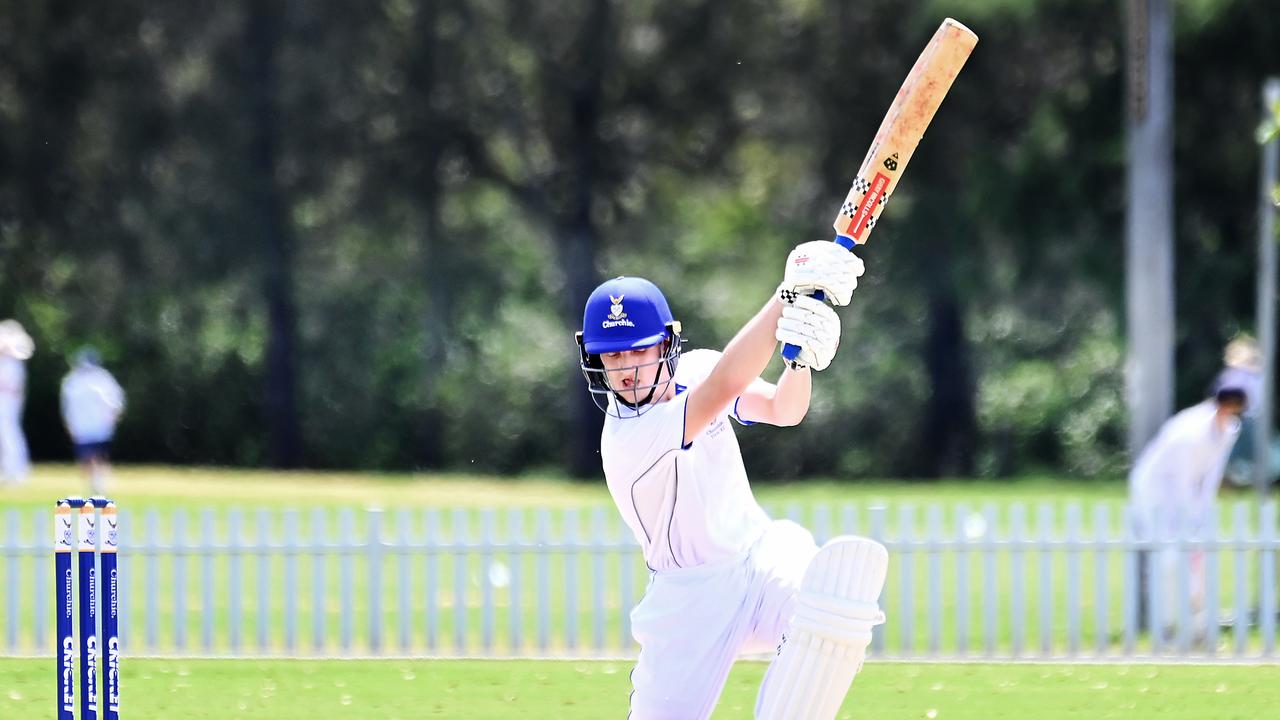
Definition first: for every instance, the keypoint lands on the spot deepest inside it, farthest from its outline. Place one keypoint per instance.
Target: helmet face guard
(634, 401)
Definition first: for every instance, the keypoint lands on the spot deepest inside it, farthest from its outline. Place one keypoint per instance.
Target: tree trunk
(578, 260)
(437, 317)
(268, 215)
(581, 237)
(949, 424)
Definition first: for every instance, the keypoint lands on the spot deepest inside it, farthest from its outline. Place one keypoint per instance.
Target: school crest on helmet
(615, 310)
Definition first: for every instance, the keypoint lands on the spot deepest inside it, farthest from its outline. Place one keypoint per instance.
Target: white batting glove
(821, 265)
(814, 327)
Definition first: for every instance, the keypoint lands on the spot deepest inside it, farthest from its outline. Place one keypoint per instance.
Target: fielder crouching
(726, 580)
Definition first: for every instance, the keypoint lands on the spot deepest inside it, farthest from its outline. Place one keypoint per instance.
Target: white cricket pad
(835, 611)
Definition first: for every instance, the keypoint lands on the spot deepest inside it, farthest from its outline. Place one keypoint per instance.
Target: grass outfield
(166, 488)
(565, 690)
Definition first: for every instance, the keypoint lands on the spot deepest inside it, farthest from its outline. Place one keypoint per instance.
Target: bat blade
(912, 110)
(895, 142)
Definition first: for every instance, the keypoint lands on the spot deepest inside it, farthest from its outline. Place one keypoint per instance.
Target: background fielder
(16, 348)
(725, 578)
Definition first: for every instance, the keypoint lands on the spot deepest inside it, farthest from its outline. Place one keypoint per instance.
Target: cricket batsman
(726, 580)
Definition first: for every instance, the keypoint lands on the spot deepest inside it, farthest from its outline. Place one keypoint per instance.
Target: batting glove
(814, 327)
(821, 265)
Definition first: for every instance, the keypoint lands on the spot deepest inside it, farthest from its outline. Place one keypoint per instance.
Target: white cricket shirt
(1180, 469)
(91, 402)
(686, 506)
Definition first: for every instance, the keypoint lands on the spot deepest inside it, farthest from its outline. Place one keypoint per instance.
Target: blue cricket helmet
(626, 313)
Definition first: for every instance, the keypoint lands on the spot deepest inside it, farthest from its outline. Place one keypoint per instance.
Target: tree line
(359, 235)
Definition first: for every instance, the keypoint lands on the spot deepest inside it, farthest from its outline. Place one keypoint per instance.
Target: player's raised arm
(744, 358)
(790, 317)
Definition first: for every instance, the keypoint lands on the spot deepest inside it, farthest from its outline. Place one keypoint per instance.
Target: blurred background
(358, 235)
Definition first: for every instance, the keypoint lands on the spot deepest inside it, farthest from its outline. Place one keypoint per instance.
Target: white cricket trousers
(692, 623)
(15, 462)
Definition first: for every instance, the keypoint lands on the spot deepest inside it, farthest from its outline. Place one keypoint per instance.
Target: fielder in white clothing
(726, 580)
(16, 347)
(1173, 488)
(92, 402)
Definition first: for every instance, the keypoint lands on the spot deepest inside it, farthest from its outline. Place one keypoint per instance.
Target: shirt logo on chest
(715, 428)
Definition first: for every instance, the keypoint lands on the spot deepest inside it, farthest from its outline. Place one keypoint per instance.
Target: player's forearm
(741, 363)
(749, 352)
(791, 398)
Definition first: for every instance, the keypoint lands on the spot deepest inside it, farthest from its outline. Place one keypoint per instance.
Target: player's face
(628, 371)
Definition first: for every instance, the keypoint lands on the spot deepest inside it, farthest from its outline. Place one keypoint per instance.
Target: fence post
(234, 585)
(431, 539)
(906, 520)
(404, 579)
(1241, 627)
(934, 579)
(821, 523)
(1017, 557)
(263, 551)
(153, 579)
(43, 604)
(1267, 580)
(374, 549)
(346, 576)
(1132, 587)
(486, 580)
(179, 584)
(876, 522)
(570, 559)
(543, 530)
(461, 536)
(13, 558)
(990, 598)
(849, 519)
(1211, 598)
(1073, 578)
(319, 608)
(291, 581)
(597, 582)
(625, 588)
(1102, 605)
(208, 551)
(1184, 552)
(1045, 520)
(515, 556)
(965, 533)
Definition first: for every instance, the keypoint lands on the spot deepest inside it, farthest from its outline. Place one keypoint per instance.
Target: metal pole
(1149, 257)
(1266, 312)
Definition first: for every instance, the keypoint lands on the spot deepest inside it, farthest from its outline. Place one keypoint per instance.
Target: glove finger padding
(821, 265)
(812, 326)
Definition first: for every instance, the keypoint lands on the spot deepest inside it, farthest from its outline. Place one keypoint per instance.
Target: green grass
(566, 690)
(157, 497)
(167, 488)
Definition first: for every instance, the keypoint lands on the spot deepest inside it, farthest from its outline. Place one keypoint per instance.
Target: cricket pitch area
(573, 689)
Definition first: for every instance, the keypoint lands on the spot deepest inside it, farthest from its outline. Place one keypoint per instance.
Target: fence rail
(1013, 581)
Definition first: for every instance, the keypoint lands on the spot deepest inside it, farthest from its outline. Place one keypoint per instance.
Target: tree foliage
(359, 234)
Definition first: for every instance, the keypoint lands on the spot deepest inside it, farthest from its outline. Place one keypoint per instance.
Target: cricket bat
(911, 112)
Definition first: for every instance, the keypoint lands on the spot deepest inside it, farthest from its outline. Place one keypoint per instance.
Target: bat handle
(790, 351)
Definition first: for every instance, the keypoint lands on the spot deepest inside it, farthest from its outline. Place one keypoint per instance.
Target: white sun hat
(15, 341)
(1243, 352)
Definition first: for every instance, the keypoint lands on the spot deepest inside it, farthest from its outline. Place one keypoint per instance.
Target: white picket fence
(1007, 582)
